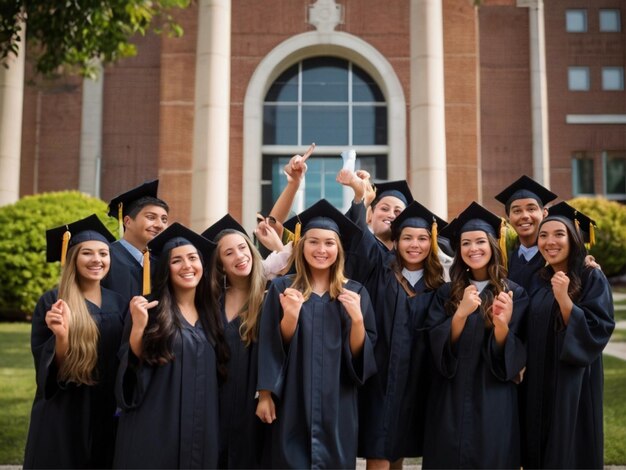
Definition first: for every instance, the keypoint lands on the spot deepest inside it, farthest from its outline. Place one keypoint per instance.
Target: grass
(17, 389)
(614, 411)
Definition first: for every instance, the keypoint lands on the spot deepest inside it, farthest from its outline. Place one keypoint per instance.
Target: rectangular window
(615, 174)
(613, 78)
(582, 174)
(578, 78)
(610, 21)
(576, 21)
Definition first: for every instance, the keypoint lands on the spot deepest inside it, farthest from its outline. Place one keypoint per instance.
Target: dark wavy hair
(433, 271)
(460, 275)
(575, 259)
(164, 320)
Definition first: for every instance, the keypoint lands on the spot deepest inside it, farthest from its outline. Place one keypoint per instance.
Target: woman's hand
(560, 286)
(470, 302)
(291, 301)
(296, 168)
(502, 309)
(265, 408)
(268, 236)
(57, 319)
(351, 301)
(139, 307)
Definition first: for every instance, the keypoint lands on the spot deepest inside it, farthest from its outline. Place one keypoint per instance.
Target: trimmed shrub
(25, 275)
(610, 217)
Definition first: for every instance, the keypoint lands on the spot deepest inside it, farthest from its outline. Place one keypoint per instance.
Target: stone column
(91, 135)
(539, 92)
(427, 176)
(209, 190)
(11, 106)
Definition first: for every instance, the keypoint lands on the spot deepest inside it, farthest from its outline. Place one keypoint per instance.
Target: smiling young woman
(570, 323)
(172, 357)
(76, 332)
(475, 324)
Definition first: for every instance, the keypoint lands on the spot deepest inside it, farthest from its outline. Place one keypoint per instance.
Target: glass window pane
(578, 78)
(615, 172)
(324, 79)
(364, 88)
(582, 173)
(576, 21)
(375, 165)
(610, 21)
(325, 125)
(612, 78)
(369, 125)
(320, 181)
(280, 125)
(285, 88)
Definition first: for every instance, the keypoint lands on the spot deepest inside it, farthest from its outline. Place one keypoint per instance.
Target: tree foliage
(25, 274)
(76, 34)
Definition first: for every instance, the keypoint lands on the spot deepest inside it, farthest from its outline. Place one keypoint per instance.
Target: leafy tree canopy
(76, 34)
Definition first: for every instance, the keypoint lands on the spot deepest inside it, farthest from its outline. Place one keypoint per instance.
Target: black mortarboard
(474, 217)
(525, 188)
(399, 189)
(417, 216)
(323, 215)
(60, 239)
(226, 222)
(582, 222)
(179, 235)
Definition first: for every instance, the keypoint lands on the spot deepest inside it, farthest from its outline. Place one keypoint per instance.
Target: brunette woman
(239, 282)
(570, 323)
(475, 322)
(171, 360)
(76, 332)
(315, 348)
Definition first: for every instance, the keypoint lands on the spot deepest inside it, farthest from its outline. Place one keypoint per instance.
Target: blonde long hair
(302, 281)
(83, 335)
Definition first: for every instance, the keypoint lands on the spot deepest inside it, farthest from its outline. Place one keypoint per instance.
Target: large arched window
(337, 105)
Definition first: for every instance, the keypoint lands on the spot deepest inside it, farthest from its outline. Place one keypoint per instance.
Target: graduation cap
(399, 189)
(417, 216)
(226, 222)
(60, 239)
(525, 188)
(123, 204)
(323, 215)
(584, 224)
(476, 217)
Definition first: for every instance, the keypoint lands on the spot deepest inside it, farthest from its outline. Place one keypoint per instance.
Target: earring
(225, 286)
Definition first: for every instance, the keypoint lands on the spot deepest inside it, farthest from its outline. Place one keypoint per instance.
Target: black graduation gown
(472, 414)
(74, 426)
(242, 434)
(169, 413)
(393, 402)
(523, 272)
(126, 274)
(565, 378)
(314, 379)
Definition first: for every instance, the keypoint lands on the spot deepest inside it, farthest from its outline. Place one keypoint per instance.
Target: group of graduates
(383, 333)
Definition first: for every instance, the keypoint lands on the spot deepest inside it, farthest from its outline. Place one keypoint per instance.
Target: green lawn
(17, 389)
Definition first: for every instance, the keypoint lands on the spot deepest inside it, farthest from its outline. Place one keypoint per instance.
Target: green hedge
(24, 274)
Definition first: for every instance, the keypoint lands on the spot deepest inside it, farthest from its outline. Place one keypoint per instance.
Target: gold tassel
(146, 272)
(592, 235)
(66, 241)
(577, 224)
(296, 236)
(433, 234)
(120, 219)
(502, 243)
